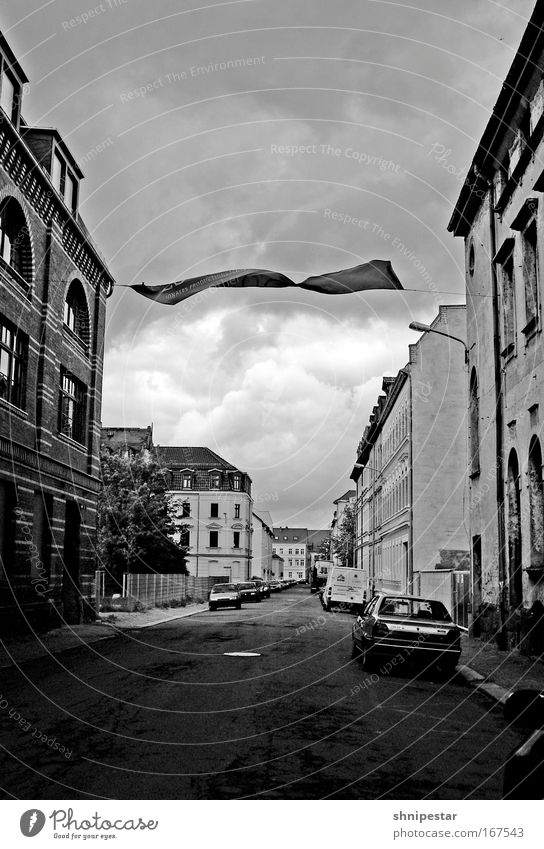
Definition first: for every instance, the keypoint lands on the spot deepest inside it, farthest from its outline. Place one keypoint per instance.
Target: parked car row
(234, 595)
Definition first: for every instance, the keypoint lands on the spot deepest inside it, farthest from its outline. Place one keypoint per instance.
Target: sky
(302, 136)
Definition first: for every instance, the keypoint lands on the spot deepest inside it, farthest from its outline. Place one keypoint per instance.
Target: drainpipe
(503, 585)
(197, 530)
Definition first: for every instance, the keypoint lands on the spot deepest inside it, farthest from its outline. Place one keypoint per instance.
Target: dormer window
(64, 181)
(236, 481)
(9, 95)
(186, 480)
(215, 480)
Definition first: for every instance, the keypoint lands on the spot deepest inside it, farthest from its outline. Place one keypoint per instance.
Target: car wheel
(238, 605)
(355, 650)
(212, 606)
(447, 667)
(327, 606)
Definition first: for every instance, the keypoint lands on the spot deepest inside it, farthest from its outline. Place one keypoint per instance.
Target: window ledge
(531, 328)
(508, 352)
(14, 276)
(75, 340)
(475, 473)
(72, 442)
(213, 548)
(13, 408)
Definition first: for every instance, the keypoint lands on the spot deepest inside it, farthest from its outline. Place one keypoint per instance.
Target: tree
(324, 551)
(343, 543)
(136, 521)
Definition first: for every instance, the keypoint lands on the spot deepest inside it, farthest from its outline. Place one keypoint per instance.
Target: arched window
(514, 531)
(536, 503)
(15, 247)
(76, 314)
(474, 424)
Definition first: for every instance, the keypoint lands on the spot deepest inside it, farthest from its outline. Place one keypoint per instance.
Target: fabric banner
(376, 274)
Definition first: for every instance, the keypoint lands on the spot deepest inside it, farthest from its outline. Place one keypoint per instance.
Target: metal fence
(157, 589)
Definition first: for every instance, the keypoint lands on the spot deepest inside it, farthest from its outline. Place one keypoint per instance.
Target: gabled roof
(290, 533)
(184, 457)
(123, 438)
(347, 496)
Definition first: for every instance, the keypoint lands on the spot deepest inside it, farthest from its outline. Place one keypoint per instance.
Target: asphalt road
(164, 713)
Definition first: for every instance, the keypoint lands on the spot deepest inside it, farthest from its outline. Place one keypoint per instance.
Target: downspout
(411, 467)
(503, 588)
(197, 530)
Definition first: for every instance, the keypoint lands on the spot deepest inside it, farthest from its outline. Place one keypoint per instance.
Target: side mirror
(525, 707)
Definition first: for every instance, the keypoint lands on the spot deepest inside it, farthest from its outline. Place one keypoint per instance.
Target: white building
(345, 500)
(291, 544)
(213, 498)
(500, 216)
(262, 545)
(411, 473)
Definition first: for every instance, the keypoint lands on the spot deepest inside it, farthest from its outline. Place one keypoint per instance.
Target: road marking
(241, 654)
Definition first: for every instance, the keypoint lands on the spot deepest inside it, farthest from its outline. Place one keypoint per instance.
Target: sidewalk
(496, 673)
(16, 650)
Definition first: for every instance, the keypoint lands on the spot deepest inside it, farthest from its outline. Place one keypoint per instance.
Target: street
(164, 713)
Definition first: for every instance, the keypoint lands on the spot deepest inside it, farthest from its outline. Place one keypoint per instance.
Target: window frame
(16, 352)
(74, 398)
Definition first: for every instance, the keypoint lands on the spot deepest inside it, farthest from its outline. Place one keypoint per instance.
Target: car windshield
(246, 586)
(414, 608)
(223, 588)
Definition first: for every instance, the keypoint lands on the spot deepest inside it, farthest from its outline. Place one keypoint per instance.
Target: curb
(115, 627)
(478, 682)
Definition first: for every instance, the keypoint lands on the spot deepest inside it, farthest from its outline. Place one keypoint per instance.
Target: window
(530, 275)
(509, 329)
(474, 424)
(185, 510)
(14, 238)
(76, 316)
(72, 404)
(471, 259)
(295, 539)
(186, 480)
(237, 512)
(64, 181)
(214, 539)
(236, 482)
(7, 526)
(290, 551)
(13, 358)
(215, 480)
(536, 504)
(9, 96)
(236, 536)
(185, 539)
(214, 511)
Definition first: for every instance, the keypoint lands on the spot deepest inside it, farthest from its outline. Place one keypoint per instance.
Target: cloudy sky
(297, 135)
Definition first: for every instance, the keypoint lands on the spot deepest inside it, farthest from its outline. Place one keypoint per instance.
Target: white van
(344, 586)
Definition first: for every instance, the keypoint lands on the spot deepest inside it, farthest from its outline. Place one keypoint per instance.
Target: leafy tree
(343, 543)
(136, 521)
(325, 549)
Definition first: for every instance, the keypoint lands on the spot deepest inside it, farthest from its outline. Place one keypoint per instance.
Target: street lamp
(426, 328)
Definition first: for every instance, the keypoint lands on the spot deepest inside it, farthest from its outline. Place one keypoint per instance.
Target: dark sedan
(249, 591)
(404, 628)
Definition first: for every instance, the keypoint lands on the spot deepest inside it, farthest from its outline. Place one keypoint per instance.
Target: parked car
(409, 628)
(523, 776)
(262, 586)
(225, 595)
(275, 586)
(249, 591)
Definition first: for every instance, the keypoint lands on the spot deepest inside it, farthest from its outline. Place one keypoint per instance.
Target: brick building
(53, 290)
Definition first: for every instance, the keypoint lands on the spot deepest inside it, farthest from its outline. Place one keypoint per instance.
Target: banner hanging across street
(376, 274)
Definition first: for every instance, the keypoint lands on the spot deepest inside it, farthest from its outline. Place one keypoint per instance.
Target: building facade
(411, 471)
(53, 285)
(317, 548)
(213, 498)
(341, 558)
(500, 216)
(291, 545)
(262, 545)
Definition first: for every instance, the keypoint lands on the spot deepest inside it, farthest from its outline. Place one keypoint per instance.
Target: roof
(301, 534)
(316, 537)
(264, 517)
(184, 457)
(12, 59)
(347, 496)
(503, 121)
(135, 438)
